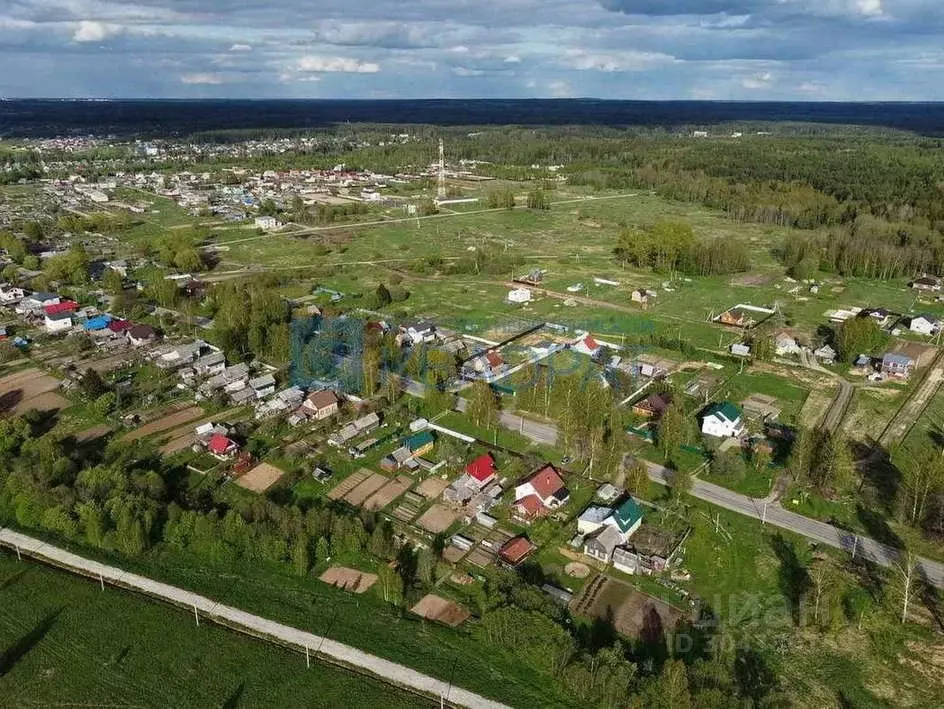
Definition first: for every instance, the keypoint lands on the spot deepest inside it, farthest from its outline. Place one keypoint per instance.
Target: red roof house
(66, 306)
(221, 446)
(515, 550)
(540, 493)
(119, 326)
(494, 359)
(482, 469)
(587, 346)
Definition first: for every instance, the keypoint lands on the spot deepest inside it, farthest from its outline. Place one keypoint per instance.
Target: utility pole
(195, 616)
(441, 189)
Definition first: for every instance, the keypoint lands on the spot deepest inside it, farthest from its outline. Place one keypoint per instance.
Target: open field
(432, 487)
(164, 423)
(30, 389)
(349, 579)
(260, 478)
(66, 643)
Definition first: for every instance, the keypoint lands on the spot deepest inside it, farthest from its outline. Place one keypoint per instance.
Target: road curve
(770, 512)
(246, 622)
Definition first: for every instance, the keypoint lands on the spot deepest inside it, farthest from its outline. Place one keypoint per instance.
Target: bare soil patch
(359, 494)
(260, 478)
(388, 493)
(437, 518)
(175, 445)
(752, 279)
(633, 613)
(164, 423)
(349, 579)
(577, 570)
(433, 607)
(30, 389)
(432, 487)
(348, 484)
(90, 434)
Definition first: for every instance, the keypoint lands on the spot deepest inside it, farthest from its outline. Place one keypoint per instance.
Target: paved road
(771, 512)
(252, 624)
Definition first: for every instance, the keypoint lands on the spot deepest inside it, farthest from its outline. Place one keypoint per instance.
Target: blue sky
(630, 49)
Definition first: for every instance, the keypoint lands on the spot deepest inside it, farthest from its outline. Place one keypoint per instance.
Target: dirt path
(912, 409)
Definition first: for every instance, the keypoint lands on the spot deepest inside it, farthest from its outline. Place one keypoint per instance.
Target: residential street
(772, 513)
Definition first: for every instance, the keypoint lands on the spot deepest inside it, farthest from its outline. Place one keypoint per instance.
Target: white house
(826, 354)
(722, 420)
(418, 332)
(263, 386)
(58, 322)
(10, 294)
(785, 344)
(924, 324)
(519, 295)
(739, 349)
(37, 301)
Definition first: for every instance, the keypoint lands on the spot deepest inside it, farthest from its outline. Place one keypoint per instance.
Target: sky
(838, 50)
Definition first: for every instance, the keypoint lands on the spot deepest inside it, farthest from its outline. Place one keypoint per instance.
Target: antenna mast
(441, 191)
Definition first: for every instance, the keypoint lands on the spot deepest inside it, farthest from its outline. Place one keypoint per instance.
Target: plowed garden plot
(164, 423)
(388, 493)
(480, 557)
(433, 607)
(349, 579)
(348, 484)
(633, 613)
(359, 494)
(432, 487)
(437, 518)
(406, 511)
(453, 554)
(260, 478)
(29, 390)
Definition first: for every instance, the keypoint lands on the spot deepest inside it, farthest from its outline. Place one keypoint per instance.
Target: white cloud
(464, 71)
(616, 61)
(758, 82)
(560, 89)
(91, 31)
(199, 78)
(241, 48)
(315, 64)
(513, 59)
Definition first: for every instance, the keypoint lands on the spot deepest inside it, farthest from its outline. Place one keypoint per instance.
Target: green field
(64, 642)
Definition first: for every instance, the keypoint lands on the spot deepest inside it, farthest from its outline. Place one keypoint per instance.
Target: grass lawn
(65, 642)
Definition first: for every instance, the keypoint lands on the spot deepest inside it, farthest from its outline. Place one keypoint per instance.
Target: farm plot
(348, 579)
(359, 494)
(437, 518)
(348, 484)
(388, 493)
(30, 389)
(633, 613)
(164, 423)
(260, 478)
(432, 487)
(433, 607)
(91, 434)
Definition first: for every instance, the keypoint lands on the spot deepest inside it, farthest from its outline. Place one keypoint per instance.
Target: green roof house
(722, 420)
(420, 443)
(627, 517)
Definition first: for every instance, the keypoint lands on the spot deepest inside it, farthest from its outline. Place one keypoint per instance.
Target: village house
(222, 447)
(587, 345)
(268, 223)
(180, 355)
(420, 443)
(36, 301)
(140, 335)
(722, 420)
(263, 386)
(924, 324)
(897, 365)
(825, 354)
(417, 333)
(478, 474)
(785, 344)
(515, 550)
(321, 404)
(58, 322)
(740, 349)
(653, 406)
(10, 294)
(735, 317)
(540, 493)
(642, 295)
